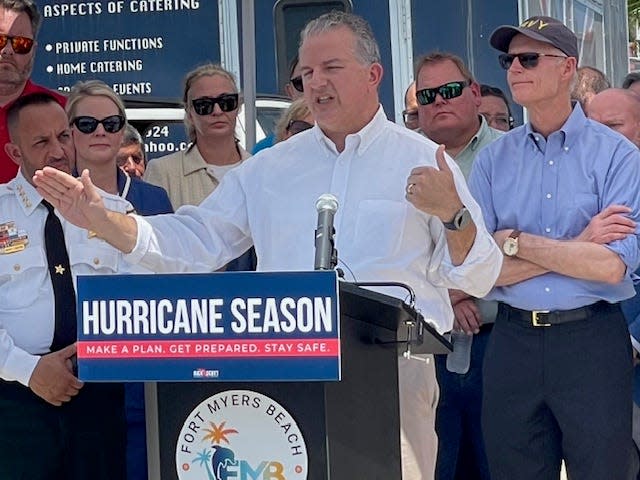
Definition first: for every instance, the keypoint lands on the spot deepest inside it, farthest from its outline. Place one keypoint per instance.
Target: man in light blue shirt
(557, 373)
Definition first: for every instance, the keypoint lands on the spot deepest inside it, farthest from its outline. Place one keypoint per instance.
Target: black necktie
(60, 272)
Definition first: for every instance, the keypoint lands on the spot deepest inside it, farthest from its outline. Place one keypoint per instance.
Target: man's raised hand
(78, 200)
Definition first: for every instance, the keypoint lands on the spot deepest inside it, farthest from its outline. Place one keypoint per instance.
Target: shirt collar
(29, 87)
(476, 139)
(193, 160)
(26, 194)
(570, 130)
(360, 140)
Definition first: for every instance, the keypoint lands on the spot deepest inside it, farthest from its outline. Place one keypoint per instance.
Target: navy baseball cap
(544, 29)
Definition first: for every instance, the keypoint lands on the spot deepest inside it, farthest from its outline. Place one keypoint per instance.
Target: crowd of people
(521, 243)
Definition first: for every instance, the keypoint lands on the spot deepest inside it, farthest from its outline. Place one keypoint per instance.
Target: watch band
(459, 221)
(515, 233)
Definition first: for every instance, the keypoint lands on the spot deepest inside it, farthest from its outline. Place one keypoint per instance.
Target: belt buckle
(535, 321)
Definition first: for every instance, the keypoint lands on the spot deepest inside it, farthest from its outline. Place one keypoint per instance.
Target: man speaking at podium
(434, 241)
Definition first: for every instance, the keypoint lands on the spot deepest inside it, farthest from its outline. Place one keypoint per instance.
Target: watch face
(510, 247)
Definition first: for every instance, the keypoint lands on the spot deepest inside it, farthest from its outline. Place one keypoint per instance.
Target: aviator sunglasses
(526, 59)
(111, 124)
(205, 105)
(447, 91)
(19, 44)
(297, 83)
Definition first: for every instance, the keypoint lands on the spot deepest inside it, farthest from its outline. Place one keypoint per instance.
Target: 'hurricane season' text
(206, 315)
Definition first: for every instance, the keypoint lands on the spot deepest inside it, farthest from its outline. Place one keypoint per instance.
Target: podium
(350, 428)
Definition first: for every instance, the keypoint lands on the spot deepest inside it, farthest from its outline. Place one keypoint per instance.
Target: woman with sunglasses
(297, 118)
(211, 102)
(97, 118)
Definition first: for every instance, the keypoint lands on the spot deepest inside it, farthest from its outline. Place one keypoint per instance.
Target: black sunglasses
(297, 126)
(111, 124)
(205, 105)
(447, 91)
(297, 83)
(19, 44)
(526, 59)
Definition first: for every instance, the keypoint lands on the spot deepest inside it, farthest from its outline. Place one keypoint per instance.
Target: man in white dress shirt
(372, 166)
(51, 425)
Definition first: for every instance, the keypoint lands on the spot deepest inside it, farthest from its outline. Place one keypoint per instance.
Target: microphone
(326, 253)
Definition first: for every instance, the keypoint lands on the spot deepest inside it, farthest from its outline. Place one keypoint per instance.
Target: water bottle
(458, 360)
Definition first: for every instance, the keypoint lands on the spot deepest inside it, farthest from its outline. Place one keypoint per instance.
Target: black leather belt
(546, 318)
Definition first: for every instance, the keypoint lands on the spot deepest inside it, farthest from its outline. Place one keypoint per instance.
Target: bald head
(618, 109)
(411, 107)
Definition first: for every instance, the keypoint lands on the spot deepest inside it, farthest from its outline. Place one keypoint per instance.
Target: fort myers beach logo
(241, 435)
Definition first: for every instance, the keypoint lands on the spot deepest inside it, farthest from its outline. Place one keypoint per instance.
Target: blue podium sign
(210, 327)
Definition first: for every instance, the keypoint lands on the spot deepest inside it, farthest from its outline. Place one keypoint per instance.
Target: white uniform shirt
(27, 311)
(269, 201)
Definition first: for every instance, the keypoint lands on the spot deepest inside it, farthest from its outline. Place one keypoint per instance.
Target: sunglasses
(19, 44)
(410, 118)
(527, 59)
(111, 124)
(297, 83)
(447, 91)
(297, 126)
(205, 105)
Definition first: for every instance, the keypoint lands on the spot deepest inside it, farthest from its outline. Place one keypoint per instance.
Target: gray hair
(366, 50)
(25, 6)
(131, 136)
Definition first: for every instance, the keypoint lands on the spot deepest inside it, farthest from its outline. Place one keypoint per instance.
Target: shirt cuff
(142, 241)
(635, 344)
(481, 267)
(20, 366)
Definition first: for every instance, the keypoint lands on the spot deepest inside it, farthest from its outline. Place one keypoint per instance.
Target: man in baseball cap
(557, 371)
(543, 29)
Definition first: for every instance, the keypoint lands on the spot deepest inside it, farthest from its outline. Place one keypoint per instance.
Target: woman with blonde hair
(97, 118)
(297, 118)
(211, 101)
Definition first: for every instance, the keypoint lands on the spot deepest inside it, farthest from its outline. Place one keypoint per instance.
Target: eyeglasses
(501, 122)
(205, 105)
(447, 92)
(297, 126)
(111, 124)
(122, 159)
(526, 59)
(297, 83)
(19, 44)
(410, 118)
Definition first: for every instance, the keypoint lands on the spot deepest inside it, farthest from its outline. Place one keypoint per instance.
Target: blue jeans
(461, 453)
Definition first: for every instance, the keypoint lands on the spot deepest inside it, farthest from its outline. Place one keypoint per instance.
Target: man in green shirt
(448, 102)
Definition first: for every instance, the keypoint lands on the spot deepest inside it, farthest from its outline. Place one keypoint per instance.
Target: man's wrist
(450, 213)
